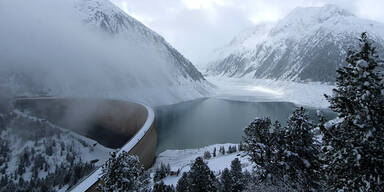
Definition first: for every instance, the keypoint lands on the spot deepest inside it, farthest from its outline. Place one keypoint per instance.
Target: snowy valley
(291, 105)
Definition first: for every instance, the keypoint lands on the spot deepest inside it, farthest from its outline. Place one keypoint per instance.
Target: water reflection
(209, 121)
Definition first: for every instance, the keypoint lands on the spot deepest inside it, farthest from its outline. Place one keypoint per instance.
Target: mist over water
(210, 121)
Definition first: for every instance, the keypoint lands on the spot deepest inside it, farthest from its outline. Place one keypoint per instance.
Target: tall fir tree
(237, 176)
(226, 181)
(124, 172)
(201, 177)
(300, 152)
(183, 183)
(161, 187)
(354, 152)
(161, 172)
(258, 141)
(285, 157)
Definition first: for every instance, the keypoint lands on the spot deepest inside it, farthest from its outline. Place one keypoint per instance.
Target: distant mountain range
(91, 48)
(307, 45)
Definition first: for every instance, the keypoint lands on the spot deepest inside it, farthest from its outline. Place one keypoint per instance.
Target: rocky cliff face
(307, 45)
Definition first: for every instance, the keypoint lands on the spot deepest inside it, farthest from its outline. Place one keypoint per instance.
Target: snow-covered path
(259, 90)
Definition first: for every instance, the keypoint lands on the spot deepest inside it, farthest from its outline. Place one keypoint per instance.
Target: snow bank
(182, 159)
(259, 90)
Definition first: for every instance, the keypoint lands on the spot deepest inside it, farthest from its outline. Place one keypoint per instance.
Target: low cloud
(45, 47)
(196, 27)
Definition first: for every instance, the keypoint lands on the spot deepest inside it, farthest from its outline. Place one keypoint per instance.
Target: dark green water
(203, 122)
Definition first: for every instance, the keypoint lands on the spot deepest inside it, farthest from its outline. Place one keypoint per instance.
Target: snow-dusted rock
(307, 45)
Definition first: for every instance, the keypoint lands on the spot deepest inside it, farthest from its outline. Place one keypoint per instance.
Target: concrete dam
(128, 126)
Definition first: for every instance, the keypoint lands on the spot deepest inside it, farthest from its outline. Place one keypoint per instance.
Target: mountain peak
(336, 10)
(328, 9)
(307, 45)
(316, 14)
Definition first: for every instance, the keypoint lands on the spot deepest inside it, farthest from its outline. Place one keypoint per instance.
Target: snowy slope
(28, 141)
(183, 159)
(308, 44)
(310, 94)
(90, 48)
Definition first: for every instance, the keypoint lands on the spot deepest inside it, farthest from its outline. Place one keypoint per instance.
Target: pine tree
(20, 168)
(124, 173)
(286, 157)
(229, 150)
(232, 149)
(168, 169)
(222, 150)
(207, 155)
(241, 146)
(161, 172)
(247, 177)
(161, 187)
(237, 176)
(276, 126)
(183, 184)
(48, 149)
(258, 141)
(3, 181)
(299, 152)
(354, 152)
(201, 177)
(4, 151)
(226, 181)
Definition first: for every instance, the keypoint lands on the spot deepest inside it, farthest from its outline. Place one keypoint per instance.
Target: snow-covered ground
(92, 150)
(86, 148)
(33, 145)
(182, 159)
(259, 90)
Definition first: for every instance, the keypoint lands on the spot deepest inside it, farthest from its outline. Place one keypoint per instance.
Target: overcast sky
(197, 27)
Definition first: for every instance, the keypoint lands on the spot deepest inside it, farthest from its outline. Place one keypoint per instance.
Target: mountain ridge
(111, 19)
(294, 47)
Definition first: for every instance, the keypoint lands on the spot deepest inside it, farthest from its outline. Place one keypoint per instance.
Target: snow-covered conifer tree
(161, 172)
(299, 153)
(124, 173)
(237, 176)
(161, 187)
(226, 181)
(286, 157)
(183, 183)
(201, 177)
(353, 146)
(258, 141)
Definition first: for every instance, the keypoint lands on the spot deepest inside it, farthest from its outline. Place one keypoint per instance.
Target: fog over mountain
(90, 48)
(307, 45)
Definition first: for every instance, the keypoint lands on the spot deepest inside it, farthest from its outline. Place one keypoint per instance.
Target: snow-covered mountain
(90, 48)
(307, 45)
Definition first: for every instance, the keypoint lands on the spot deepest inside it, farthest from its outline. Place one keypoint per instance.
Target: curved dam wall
(116, 124)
